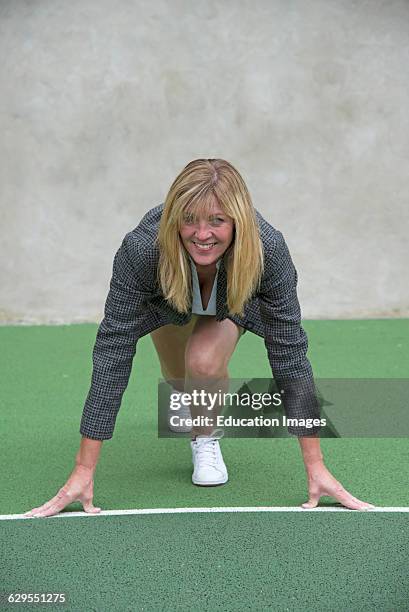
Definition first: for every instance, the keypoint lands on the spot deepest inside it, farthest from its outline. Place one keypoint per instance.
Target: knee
(204, 365)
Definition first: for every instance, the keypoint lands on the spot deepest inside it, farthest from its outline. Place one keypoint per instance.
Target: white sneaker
(209, 468)
(182, 413)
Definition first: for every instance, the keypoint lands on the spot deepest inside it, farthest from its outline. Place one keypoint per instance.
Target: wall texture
(103, 103)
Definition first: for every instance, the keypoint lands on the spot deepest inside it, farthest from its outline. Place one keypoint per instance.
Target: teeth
(204, 247)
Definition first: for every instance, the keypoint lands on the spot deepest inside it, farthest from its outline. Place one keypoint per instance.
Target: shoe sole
(210, 484)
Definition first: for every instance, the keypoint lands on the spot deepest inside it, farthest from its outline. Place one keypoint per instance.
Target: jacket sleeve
(285, 339)
(115, 347)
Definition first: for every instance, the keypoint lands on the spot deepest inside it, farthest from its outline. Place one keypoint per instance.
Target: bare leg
(196, 356)
(170, 344)
(208, 352)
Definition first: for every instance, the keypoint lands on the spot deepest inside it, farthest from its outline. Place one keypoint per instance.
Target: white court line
(5, 517)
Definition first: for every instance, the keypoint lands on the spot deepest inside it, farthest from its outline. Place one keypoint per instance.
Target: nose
(202, 231)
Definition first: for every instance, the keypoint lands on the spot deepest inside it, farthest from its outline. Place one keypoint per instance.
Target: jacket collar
(221, 294)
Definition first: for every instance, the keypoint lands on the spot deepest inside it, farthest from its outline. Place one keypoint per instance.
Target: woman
(196, 273)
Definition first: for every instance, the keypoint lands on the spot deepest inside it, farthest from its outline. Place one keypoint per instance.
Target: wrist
(311, 452)
(313, 464)
(83, 466)
(88, 453)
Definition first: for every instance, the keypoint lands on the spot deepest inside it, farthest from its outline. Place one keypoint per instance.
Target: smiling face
(207, 238)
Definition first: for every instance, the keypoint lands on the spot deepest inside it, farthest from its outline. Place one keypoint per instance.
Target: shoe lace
(206, 454)
(207, 449)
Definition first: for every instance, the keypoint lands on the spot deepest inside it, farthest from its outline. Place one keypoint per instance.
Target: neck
(207, 271)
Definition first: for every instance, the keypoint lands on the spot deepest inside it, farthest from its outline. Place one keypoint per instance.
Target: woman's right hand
(79, 487)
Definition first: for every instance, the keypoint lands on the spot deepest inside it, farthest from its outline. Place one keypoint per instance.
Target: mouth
(204, 246)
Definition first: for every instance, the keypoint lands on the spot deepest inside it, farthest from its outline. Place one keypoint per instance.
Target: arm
(115, 347)
(79, 486)
(285, 339)
(287, 345)
(112, 357)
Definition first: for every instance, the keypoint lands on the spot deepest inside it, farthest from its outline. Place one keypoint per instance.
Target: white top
(197, 307)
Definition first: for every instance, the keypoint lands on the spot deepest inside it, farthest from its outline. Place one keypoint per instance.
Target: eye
(217, 220)
(188, 219)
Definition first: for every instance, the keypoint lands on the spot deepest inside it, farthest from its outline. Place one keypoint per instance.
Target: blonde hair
(195, 188)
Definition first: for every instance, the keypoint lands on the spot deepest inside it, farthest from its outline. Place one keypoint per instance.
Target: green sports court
(161, 543)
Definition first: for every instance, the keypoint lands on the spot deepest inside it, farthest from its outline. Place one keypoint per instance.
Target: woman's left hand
(321, 482)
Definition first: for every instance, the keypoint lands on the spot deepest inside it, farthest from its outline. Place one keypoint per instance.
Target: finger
(34, 511)
(30, 512)
(360, 501)
(363, 505)
(366, 505)
(55, 505)
(47, 504)
(349, 501)
(55, 509)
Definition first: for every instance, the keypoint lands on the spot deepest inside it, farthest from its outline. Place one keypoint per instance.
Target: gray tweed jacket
(135, 306)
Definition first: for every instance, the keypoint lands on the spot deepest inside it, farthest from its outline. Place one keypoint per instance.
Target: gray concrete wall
(103, 103)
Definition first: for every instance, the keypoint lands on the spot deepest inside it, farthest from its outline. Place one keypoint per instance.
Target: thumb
(86, 501)
(90, 508)
(312, 502)
(88, 505)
